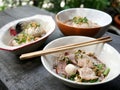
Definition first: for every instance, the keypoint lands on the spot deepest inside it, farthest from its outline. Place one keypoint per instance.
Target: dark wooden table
(31, 75)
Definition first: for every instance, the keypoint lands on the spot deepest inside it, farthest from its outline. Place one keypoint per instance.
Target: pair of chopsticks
(65, 47)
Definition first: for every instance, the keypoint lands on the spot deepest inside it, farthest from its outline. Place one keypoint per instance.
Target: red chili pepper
(13, 31)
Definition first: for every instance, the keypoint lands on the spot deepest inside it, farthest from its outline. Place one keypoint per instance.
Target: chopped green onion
(100, 66)
(16, 39)
(85, 20)
(94, 80)
(107, 70)
(79, 20)
(81, 56)
(72, 77)
(91, 81)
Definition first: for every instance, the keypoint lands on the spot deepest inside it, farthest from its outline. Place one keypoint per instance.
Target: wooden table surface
(31, 75)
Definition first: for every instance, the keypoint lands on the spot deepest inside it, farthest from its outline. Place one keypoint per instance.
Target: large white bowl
(5, 35)
(105, 52)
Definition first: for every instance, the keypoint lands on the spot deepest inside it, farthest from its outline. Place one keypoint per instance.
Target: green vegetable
(85, 20)
(68, 61)
(34, 24)
(91, 81)
(79, 20)
(100, 66)
(107, 70)
(72, 77)
(94, 80)
(23, 38)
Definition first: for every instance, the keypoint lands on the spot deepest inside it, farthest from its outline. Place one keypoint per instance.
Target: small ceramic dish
(7, 34)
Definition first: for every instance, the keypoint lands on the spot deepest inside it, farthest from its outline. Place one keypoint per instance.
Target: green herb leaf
(94, 80)
(100, 66)
(79, 20)
(72, 77)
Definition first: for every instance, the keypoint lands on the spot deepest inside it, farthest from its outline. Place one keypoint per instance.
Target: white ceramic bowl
(105, 52)
(5, 35)
(101, 18)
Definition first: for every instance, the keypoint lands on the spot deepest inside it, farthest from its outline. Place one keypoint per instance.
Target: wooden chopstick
(65, 47)
(69, 45)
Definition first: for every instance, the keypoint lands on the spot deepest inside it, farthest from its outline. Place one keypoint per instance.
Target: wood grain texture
(31, 75)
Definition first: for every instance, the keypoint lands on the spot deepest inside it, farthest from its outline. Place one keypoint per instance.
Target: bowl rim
(13, 48)
(59, 21)
(69, 81)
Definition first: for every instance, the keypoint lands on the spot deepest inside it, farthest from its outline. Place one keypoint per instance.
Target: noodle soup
(81, 22)
(79, 66)
(27, 31)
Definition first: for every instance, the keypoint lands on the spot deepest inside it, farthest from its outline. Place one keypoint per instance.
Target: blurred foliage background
(58, 5)
(111, 7)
